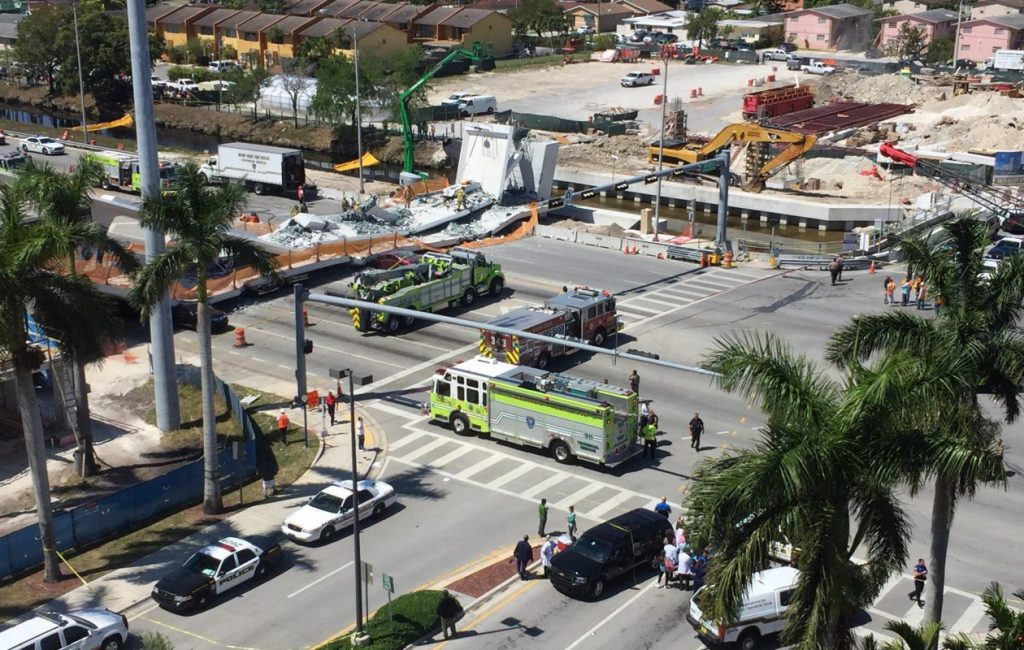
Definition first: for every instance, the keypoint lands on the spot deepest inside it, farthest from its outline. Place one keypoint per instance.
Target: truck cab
(591, 314)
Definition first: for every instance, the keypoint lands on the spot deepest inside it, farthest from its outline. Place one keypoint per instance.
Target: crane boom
(403, 99)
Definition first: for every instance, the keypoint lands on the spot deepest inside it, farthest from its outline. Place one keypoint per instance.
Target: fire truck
(579, 314)
(438, 282)
(566, 416)
(121, 171)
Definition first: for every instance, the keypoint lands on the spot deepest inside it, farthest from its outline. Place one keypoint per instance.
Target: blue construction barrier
(127, 509)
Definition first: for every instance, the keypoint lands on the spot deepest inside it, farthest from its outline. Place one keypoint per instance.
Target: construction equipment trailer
(566, 416)
(438, 282)
(580, 314)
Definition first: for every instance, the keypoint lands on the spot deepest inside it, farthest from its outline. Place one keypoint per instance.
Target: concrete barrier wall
(561, 234)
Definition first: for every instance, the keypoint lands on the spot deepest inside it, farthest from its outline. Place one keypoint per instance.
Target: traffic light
(307, 347)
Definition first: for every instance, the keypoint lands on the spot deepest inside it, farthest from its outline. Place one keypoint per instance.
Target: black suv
(608, 550)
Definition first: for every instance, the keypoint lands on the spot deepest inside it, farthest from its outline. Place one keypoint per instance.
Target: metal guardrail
(821, 262)
(684, 254)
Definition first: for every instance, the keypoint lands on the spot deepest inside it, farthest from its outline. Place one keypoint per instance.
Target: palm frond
(155, 279)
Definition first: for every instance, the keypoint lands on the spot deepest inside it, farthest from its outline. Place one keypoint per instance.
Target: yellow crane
(759, 165)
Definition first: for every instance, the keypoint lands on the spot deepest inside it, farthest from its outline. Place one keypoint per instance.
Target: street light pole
(956, 44)
(81, 83)
(661, 147)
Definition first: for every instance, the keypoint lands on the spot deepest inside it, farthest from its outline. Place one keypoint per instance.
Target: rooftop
(438, 16)
(934, 16)
(214, 17)
(837, 11)
(467, 18)
(1013, 21)
(322, 28)
(260, 22)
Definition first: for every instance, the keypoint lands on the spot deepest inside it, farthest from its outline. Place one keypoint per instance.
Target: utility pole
(81, 83)
(161, 332)
(723, 198)
(359, 114)
(661, 146)
(956, 43)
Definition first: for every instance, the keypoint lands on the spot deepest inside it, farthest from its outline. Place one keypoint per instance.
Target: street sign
(367, 573)
(388, 583)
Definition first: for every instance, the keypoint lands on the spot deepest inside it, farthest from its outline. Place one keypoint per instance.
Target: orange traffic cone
(871, 269)
(240, 341)
(305, 317)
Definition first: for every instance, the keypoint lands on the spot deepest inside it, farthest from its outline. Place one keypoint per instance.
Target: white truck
(817, 67)
(261, 168)
(1008, 60)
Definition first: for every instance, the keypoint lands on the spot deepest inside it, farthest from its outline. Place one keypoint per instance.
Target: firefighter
(650, 436)
(460, 198)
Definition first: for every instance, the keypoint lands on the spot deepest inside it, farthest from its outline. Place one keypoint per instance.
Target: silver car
(80, 629)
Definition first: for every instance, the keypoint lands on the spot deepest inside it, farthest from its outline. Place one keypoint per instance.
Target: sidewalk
(130, 586)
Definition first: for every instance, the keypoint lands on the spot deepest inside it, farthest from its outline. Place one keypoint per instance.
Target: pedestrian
(448, 610)
(663, 508)
(684, 566)
(885, 289)
(331, 401)
(460, 198)
(282, 426)
(696, 429)
(571, 520)
(301, 193)
(650, 438)
(937, 303)
(662, 569)
(432, 132)
(634, 382)
(839, 262)
(671, 553)
(542, 515)
(546, 553)
(918, 281)
(905, 292)
(523, 554)
(360, 433)
(268, 474)
(833, 270)
(645, 414)
(921, 295)
(890, 289)
(920, 576)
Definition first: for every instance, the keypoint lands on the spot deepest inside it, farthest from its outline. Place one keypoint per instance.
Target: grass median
(28, 591)
(397, 624)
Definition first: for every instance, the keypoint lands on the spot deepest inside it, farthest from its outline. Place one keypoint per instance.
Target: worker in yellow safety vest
(460, 198)
(650, 433)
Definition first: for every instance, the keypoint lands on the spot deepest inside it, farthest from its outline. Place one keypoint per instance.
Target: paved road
(486, 491)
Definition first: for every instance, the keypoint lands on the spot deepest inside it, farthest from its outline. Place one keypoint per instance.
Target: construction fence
(558, 124)
(124, 510)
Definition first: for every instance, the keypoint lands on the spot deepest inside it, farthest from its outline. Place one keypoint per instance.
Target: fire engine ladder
(64, 382)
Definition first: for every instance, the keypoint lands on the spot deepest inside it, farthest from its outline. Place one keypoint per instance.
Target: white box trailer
(261, 168)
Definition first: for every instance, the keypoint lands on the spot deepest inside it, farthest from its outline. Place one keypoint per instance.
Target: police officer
(650, 436)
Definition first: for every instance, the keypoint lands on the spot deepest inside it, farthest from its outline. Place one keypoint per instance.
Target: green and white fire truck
(567, 416)
(438, 282)
(122, 171)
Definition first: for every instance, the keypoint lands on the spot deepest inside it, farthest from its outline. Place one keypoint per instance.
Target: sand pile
(613, 230)
(979, 121)
(630, 149)
(890, 89)
(843, 177)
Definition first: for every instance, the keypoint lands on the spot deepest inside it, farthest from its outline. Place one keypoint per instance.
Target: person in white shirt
(671, 560)
(547, 551)
(685, 567)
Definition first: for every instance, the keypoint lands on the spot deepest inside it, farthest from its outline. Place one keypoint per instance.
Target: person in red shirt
(331, 401)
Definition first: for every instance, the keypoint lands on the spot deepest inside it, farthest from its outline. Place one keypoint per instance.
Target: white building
(672, 22)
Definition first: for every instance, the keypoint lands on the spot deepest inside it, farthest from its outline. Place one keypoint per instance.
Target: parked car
(42, 144)
(965, 63)
(586, 29)
(609, 550)
(818, 67)
(1005, 247)
(223, 66)
(762, 611)
(157, 82)
(455, 98)
(665, 38)
(477, 105)
(634, 79)
(79, 629)
(184, 85)
(185, 314)
(638, 36)
(213, 570)
(775, 54)
(12, 160)
(330, 511)
(787, 47)
(743, 46)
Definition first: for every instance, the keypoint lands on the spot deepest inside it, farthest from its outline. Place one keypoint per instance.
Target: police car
(331, 510)
(213, 570)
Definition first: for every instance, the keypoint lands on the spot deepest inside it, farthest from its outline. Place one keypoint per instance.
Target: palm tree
(68, 308)
(976, 334)
(200, 219)
(63, 202)
(1006, 630)
(809, 481)
(925, 637)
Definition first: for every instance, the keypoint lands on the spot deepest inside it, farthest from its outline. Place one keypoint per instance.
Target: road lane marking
(321, 579)
(610, 505)
(447, 458)
(633, 305)
(973, 615)
(142, 613)
(427, 448)
(611, 616)
(199, 636)
(511, 476)
(577, 496)
(547, 483)
(514, 595)
(401, 442)
(479, 467)
(650, 298)
(430, 363)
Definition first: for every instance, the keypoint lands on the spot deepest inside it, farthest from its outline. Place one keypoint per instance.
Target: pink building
(934, 23)
(980, 39)
(991, 8)
(838, 27)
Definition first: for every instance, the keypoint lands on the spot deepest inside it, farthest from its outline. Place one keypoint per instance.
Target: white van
(478, 105)
(455, 98)
(762, 612)
(223, 66)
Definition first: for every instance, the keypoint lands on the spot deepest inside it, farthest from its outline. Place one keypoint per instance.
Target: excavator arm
(403, 100)
(799, 144)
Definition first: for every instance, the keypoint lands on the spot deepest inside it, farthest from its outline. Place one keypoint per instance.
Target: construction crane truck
(566, 416)
(438, 282)
(579, 314)
(760, 163)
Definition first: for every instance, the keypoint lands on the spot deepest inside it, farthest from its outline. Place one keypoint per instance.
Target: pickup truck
(817, 67)
(184, 85)
(213, 570)
(634, 79)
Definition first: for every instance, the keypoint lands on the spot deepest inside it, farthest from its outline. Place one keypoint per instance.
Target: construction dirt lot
(939, 122)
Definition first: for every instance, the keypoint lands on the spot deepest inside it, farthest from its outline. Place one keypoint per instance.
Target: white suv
(82, 629)
(637, 79)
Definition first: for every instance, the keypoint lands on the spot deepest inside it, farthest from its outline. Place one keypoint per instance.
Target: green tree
(62, 201)
(1006, 628)
(703, 25)
(69, 309)
(314, 49)
(275, 35)
(939, 51)
(809, 481)
(200, 219)
(295, 82)
(246, 85)
(909, 44)
(926, 637)
(35, 28)
(536, 15)
(234, 4)
(976, 335)
(272, 6)
(335, 98)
